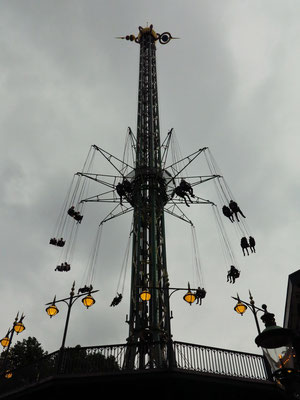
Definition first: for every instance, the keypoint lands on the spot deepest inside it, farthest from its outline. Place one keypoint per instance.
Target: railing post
(61, 360)
(171, 354)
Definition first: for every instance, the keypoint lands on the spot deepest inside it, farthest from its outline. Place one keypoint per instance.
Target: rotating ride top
(149, 188)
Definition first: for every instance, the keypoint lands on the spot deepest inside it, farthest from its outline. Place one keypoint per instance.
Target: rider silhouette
(252, 244)
(228, 213)
(232, 274)
(182, 191)
(245, 245)
(235, 209)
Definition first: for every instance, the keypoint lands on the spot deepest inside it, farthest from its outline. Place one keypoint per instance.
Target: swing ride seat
(63, 267)
(55, 242)
(85, 289)
(60, 243)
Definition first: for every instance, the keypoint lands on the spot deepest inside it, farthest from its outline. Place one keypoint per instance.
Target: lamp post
(242, 306)
(17, 327)
(190, 297)
(279, 346)
(52, 309)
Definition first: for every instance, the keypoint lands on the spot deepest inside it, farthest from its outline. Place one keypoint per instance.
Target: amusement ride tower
(149, 188)
(149, 322)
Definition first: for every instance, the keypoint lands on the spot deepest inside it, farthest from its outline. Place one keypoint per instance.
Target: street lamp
(242, 306)
(52, 309)
(274, 340)
(277, 344)
(17, 327)
(189, 297)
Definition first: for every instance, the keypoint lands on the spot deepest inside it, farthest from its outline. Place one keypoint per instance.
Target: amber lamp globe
(88, 301)
(5, 341)
(145, 295)
(189, 297)
(52, 310)
(8, 374)
(240, 308)
(19, 327)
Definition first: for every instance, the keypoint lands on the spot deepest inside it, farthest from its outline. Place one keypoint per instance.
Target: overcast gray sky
(230, 83)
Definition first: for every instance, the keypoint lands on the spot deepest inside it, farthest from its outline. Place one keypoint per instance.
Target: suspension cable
(89, 274)
(227, 250)
(125, 264)
(198, 268)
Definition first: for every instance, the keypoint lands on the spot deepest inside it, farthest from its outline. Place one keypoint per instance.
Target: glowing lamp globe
(19, 327)
(88, 301)
(8, 374)
(5, 341)
(145, 295)
(189, 297)
(240, 308)
(52, 310)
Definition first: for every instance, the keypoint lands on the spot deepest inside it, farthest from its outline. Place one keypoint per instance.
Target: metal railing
(112, 359)
(219, 361)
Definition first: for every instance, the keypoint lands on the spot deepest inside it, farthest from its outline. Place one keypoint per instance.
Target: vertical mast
(149, 323)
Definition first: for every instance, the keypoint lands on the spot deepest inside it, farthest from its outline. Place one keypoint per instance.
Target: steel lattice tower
(149, 323)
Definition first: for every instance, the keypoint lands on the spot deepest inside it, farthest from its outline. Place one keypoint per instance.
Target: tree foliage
(23, 353)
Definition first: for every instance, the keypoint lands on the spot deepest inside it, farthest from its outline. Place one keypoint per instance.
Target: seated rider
(63, 267)
(71, 211)
(186, 187)
(53, 241)
(75, 214)
(116, 300)
(181, 193)
(232, 274)
(67, 267)
(127, 186)
(235, 209)
(200, 294)
(252, 244)
(121, 191)
(85, 289)
(61, 242)
(78, 217)
(228, 213)
(244, 245)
